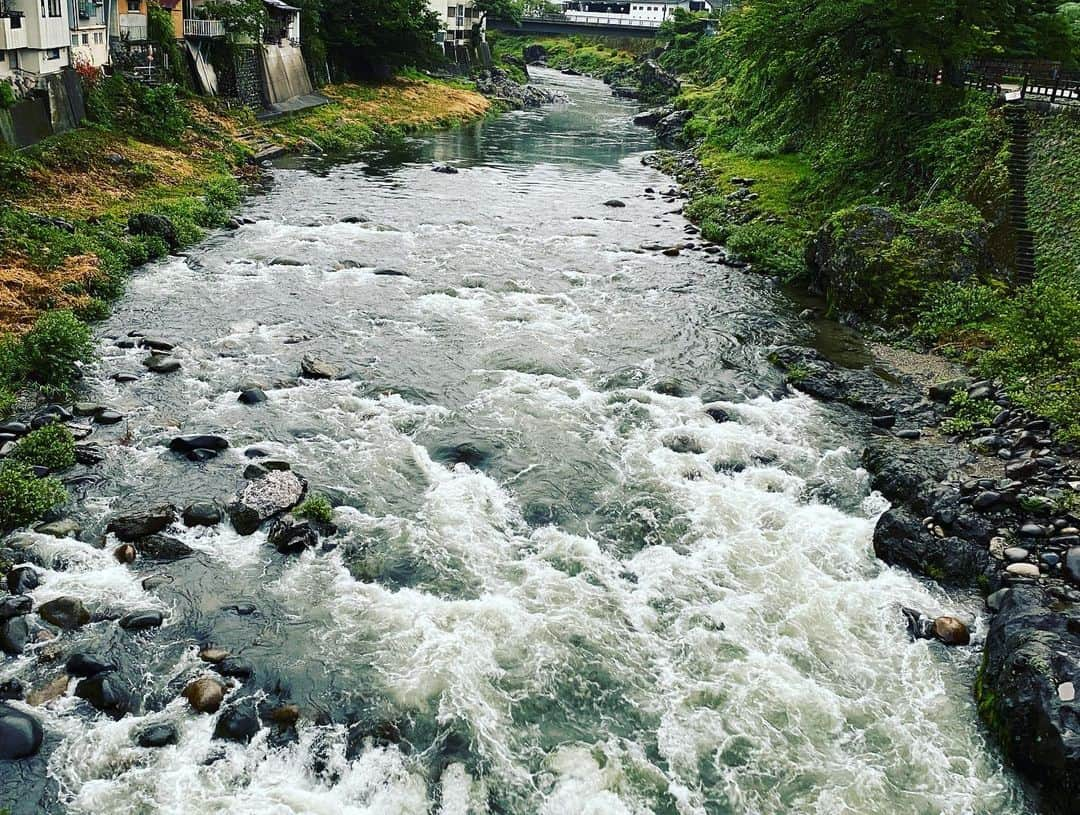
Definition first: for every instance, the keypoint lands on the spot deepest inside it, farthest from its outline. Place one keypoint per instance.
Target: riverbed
(593, 556)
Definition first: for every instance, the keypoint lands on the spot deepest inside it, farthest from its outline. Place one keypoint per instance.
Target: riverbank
(86, 207)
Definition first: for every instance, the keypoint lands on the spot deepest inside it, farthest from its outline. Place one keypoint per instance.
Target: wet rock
(15, 605)
(901, 539)
(446, 169)
(53, 689)
(83, 664)
(64, 612)
(234, 667)
(252, 396)
(285, 261)
(156, 344)
(534, 54)
(202, 513)
(273, 494)
(125, 553)
(1032, 530)
(951, 631)
(1072, 564)
(155, 580)
(108, 417)
(130, 528)
(384, 272)
(14, 428)
(161, 364)
(718, 415)
(157, 226)
(12, 689)
(290, 534)
(160, 734)
(14, 634)
(1030, 648)
(669, 129)
(312, 368)
(497, 84)
(285, 715)
(187, 445)
(142, 620)
(1023, 569)
(107, 692)
(683, 443)
(614, 202)
(89, 454)
(20, 734)
(124, 376)
(944, 391)
(213, 654)
(238, 723)
(986, 499)
(1016, 554)
(899, 473)
(242, 609)
(163, 547)
(653, 116)
(23, 579)
(204, 694)
(64, 528)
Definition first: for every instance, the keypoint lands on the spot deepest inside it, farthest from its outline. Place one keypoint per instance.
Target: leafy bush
(952, 309)
(7, 402)
(151, 113)
(24, 497)
(967, 413)
(50, 351)
(14, 170)
(51, 446)
(316, 508)
(7, 94)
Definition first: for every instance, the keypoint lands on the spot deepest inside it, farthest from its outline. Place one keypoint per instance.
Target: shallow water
(537, 604)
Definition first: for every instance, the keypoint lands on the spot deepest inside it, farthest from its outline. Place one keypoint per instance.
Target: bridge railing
(1057, 91)
(614, 20)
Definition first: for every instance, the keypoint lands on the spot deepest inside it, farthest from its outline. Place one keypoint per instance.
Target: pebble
(1016, 554)
(1066, 691)
(157, 735)
(141, 620)
(985, 499)
(204, 694)
(1023, 569)
(1031, 530)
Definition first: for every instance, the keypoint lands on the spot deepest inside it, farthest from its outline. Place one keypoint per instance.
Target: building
(129, 20)
(656, 11)
(457, 24)
(34, 39)
(89, 32)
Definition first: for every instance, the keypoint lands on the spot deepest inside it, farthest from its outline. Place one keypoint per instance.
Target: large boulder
(20, 733)
(291, 534)
(654, 82)
(15, 605)
(162, 547)
(899, 472)
(107, 692)
(901, 539)
(875, 263)
(240, 722)
(136, 525)
(1026, 692)
(14, 634)
(204, 694)
(534, 54)
(273, 494)
(157, 226)
(65, 612)
(653, 116)
(669, 129)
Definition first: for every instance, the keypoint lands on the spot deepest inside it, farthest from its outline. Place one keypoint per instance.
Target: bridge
(593, 25)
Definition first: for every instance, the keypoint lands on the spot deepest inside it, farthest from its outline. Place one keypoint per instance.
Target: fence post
(1053, 90)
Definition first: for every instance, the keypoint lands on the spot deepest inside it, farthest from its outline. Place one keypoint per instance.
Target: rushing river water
(560, 586)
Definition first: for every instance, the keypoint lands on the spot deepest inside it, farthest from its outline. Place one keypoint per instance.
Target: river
(560, 585)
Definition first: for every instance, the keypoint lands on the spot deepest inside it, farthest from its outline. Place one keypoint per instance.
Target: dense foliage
(48, 354)
(151, 113)
(51, 446)
(24, 497)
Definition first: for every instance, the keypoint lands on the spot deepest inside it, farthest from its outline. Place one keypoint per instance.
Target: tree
(509, 10)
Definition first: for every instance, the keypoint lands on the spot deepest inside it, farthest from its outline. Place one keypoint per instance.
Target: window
(16, 22)
(54, 8)
(134, 6)
(99, 38)
(2, 55)
(52, 53)
(74, 40)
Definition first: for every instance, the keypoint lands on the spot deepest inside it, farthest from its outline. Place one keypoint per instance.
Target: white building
(89, 32)
(34, 38)
(457, 21)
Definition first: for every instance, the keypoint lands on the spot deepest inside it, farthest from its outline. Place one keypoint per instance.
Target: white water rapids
(570, 618)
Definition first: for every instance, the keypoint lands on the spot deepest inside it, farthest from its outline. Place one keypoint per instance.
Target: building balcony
(12, 32)
(133, 32)
(207, 29)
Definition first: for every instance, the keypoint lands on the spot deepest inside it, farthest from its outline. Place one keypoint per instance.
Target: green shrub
(14, 170)
(950, 309)
(51, 446)
(12, 368)
(7, 402)
(967, 413)
(7, 94)
(51, 350)
(152, 113)
(93, 310)
(316, 508)
(24, 497)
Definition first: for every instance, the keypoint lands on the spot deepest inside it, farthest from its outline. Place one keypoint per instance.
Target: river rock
(234, 667)
(1072, 564)
(213, 654)
(157, 226)
(951, 631)
(156, 344)
(901, 539)
(312, 368)
(159, 734)
(202, 513)
(534, 54)
(142, 620)
(83, 664)
(23, 579)
(14, 634)
(53, 689)
(669, 129)
(15, 605)
(163, 547)
(107, 692)
(107, 417)
(12, 689)
(899, 473)
(64, 612)
(290, 534)
(276, 492)
(89, 454)
(125, 553)
(238, 723)
(1023, 569)
(189, 444)
(64, 528)
(252, 396)
(130, 528)
(652, 117)
(446, 169)
(204, 694)
(161, 364)
(615, 202)
(20, 734)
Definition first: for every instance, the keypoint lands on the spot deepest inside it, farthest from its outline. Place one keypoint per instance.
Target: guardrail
(613, 20)
(204, 28)
(1057, 91)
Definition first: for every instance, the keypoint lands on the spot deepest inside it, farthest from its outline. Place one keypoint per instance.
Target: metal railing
(135, 32)
(614, 20)
(1056, 91)
(204, 28)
